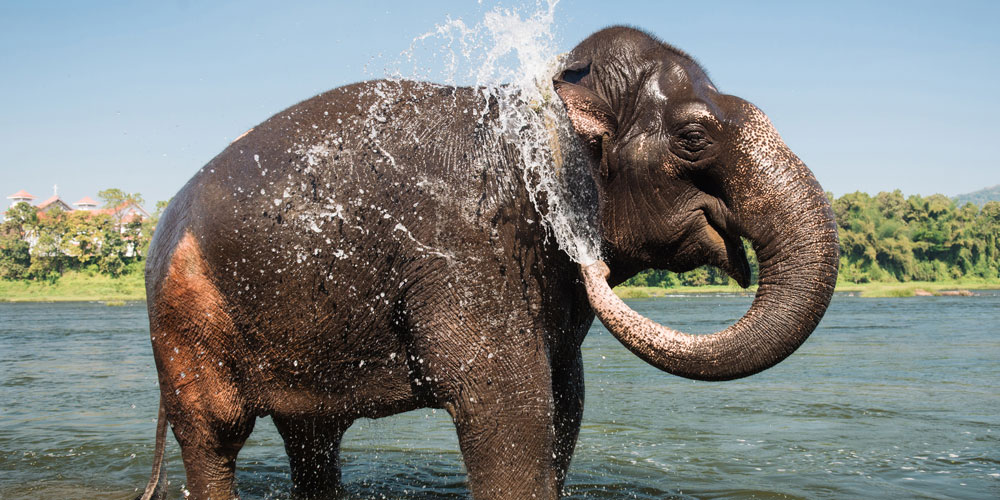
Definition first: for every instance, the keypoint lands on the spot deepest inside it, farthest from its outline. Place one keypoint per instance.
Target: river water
(890, 398)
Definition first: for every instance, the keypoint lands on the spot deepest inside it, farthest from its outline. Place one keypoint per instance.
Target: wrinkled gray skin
(374, 250)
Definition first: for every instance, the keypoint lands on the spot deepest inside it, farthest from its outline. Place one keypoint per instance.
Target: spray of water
(511, 58)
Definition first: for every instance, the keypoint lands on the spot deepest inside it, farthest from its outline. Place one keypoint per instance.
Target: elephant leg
(313, 447)
(506, 433)
(209, 448)
(208, 415)
(202, 395)
(567, 390)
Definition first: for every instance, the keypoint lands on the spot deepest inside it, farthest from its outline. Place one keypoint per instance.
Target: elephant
(379, 248)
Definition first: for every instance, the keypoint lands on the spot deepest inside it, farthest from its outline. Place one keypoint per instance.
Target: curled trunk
(798, 271)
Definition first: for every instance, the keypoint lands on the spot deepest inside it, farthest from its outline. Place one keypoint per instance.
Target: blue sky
(139, 95)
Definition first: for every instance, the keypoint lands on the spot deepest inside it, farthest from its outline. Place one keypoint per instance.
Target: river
(889, 398)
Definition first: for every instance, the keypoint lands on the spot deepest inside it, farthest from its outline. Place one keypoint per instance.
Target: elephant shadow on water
(378, 248)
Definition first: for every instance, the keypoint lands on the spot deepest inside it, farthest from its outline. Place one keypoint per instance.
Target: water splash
(511, 58)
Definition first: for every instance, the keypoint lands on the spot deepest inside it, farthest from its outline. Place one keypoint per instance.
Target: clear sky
(139, 95)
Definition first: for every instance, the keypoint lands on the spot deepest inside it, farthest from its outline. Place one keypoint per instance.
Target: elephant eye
(691, 142)
(694, 140)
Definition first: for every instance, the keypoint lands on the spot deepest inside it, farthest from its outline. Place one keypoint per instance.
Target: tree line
(42, 246)
(891, 238)
(883, 238)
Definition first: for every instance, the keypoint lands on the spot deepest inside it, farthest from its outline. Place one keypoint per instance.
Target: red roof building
(21, 196)
(126, 212)
(85, 203)
(52, 202)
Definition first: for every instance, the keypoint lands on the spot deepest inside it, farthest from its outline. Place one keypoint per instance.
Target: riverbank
(869, 290)
(77, 286)
(916, 288)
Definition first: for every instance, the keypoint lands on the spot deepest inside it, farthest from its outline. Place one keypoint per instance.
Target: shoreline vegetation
(77, 286)
(867, 290)
(890, 246)
(83, 286)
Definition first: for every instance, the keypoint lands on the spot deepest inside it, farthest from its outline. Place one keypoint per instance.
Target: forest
(883, 238)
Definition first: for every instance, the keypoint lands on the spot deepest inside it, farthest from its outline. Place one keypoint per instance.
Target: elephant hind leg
(209, 451)
(210, 418)
(192, 336)
(313, 447)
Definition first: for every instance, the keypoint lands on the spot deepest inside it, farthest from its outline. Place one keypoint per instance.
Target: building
(121, 215)
(126, 212)
(21, 196)
(86, 203)
(53, 202)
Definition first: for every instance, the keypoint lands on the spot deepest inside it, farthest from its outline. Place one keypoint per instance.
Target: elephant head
(684, 171)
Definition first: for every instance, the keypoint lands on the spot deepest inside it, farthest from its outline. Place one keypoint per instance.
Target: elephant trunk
(786, 215)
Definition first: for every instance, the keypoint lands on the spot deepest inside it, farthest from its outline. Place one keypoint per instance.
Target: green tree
(85, 236)
(20, 220)
(118, 201)
(160, 207)
(149, 226)
(47, 256)
(15, 257)
(111, 260)
(135, 238)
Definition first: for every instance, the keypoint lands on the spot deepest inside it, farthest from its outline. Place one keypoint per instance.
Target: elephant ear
(591, 116)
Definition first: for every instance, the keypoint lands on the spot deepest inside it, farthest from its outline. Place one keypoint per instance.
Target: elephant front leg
(567, 389)
(507, 435)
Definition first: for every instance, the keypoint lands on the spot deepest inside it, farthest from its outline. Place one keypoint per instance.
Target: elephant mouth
(713, 238)
(726, 250)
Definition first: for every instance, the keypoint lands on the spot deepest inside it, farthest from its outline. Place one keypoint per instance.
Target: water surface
(890, 398)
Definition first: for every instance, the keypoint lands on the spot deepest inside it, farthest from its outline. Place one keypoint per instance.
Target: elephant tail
(157, 486)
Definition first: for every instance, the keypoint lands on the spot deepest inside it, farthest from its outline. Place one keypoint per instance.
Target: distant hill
(979, 197)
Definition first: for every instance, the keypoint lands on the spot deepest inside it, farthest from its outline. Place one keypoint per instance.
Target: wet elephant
(378, 248)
